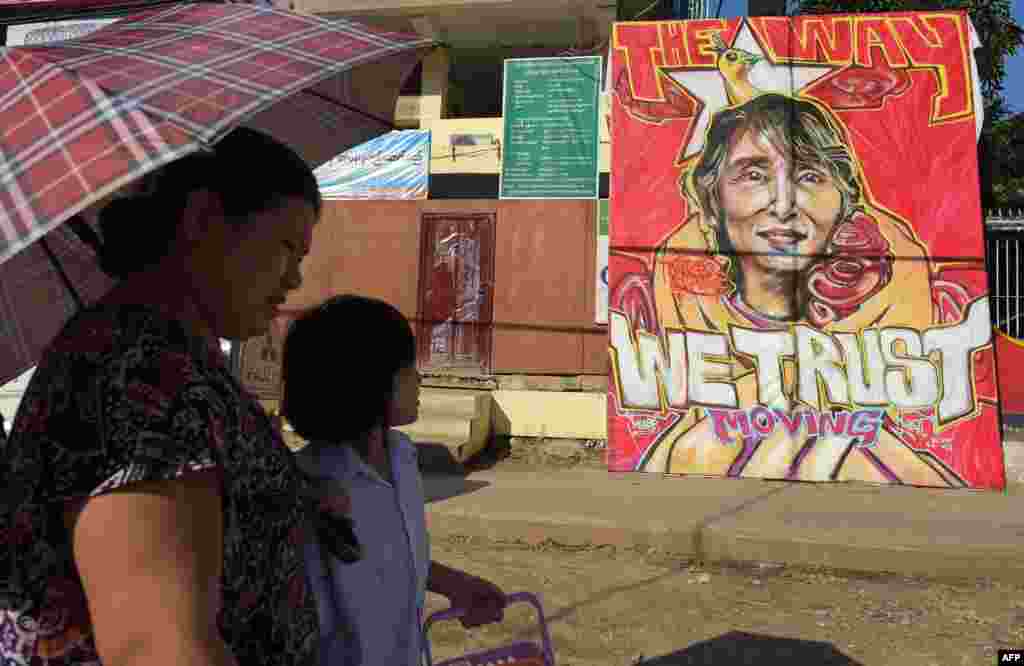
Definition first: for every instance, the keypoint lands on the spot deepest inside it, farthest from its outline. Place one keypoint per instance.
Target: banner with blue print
(393, 166)
(32, 34)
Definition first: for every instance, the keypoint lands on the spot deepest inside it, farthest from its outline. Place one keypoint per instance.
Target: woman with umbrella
(156, 518)
(151, 514)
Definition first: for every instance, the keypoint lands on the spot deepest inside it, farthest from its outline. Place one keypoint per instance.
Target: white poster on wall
(259, 360)
(30, 34)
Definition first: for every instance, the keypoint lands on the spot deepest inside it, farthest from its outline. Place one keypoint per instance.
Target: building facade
(496, 287)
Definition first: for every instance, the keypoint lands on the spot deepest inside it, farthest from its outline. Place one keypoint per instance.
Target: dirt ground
(609, 607)
(619, 608)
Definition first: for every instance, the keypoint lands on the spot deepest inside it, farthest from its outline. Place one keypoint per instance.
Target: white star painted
(708, 86)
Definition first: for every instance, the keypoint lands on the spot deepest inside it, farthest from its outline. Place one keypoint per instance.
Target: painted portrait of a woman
(781, 230)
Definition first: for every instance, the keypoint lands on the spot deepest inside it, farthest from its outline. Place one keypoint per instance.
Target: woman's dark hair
(339, 366)
(248, 170)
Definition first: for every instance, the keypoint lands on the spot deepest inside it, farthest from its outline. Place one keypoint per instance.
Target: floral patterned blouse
(124, 395)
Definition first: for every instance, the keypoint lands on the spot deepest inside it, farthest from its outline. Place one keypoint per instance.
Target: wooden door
(456, 296)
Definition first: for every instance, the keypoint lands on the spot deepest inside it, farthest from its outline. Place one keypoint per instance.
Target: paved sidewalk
(910, 531)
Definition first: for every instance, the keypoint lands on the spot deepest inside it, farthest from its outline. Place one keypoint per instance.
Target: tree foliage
(1006, 139)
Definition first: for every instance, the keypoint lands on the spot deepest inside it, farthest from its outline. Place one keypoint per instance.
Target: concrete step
(454, 426)
(439, 426)
(462, 437)
(458, 420)
(931, 533)
(440, 455)
(468, 404)
(444, 455)
(464, 409)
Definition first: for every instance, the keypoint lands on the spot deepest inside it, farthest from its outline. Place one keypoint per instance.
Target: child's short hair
(338, 367)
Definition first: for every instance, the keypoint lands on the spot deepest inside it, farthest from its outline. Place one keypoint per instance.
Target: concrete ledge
(580, 507)
(550, 414)
(1013, 450)
(950, 534)
(586, 383)
(909, 531)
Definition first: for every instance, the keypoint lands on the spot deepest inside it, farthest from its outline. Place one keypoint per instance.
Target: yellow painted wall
(425, 112)
(550, 414)
(475, 159)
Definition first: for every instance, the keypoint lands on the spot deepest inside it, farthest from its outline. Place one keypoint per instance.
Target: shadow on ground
(441, 487)
(738, 648)
(498, 449)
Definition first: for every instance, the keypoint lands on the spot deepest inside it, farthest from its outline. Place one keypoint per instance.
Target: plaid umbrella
(83, 119)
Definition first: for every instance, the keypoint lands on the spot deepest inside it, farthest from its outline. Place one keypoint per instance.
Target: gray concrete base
(1013, 450)
(581, 507)
(951, 534)
(910, 531)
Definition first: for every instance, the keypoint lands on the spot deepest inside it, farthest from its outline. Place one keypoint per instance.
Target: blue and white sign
(393, 166)
(31, 34)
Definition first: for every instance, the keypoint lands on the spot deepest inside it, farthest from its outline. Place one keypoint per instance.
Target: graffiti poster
(798, 286)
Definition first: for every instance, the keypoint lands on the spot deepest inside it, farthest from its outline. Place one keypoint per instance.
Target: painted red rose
(633, 295)
(857, 267)
(677, 103)
(950, 300)
(701, 276)
(862, 87)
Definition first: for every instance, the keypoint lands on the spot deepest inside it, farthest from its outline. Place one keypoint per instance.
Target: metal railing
(1004, 233)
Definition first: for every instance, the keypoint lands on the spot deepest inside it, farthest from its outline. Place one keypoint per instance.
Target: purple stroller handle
(517, 597)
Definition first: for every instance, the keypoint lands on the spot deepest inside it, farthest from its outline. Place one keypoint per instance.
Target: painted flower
(677, 103)
(702, 276)
(862, 87)
(857, 267)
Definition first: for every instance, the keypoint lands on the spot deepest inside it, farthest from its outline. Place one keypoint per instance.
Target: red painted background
(925, 173)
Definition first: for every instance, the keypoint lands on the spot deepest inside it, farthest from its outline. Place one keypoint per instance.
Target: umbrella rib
(85, 233)
(60, 271)
(38, 14)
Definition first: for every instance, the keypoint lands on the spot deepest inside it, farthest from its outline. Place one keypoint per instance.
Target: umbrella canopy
(83, 119)
(65, 4)
(32, 11)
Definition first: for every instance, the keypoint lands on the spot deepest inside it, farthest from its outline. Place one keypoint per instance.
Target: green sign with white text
(551, 114)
